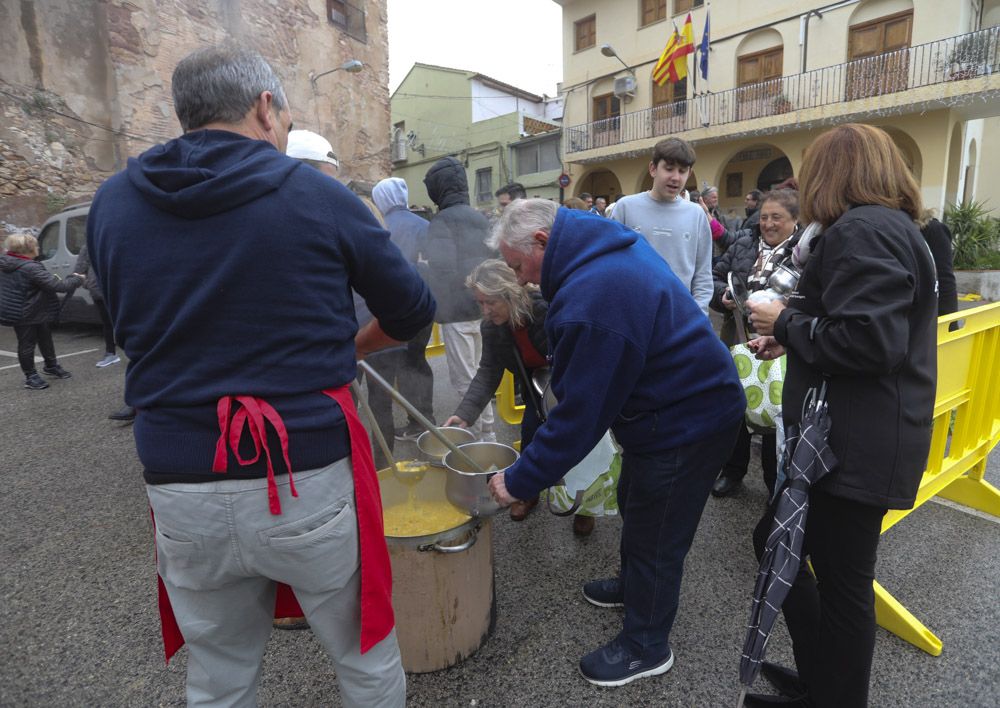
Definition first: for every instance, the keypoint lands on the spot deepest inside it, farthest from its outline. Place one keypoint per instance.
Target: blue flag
(704, 50)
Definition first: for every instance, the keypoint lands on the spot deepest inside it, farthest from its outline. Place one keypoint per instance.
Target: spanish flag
(672, 65)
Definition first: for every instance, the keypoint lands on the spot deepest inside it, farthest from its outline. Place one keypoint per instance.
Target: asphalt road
(78, 625)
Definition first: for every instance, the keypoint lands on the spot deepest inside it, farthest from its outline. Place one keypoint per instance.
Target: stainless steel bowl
(468, 489)
(433, 450)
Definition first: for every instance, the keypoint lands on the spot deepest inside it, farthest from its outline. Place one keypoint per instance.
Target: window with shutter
(879, 58)
(651, 11)
(586, 33)
(759, 77)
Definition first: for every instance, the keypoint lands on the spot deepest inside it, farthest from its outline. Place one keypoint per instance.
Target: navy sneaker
(35, 382)
(604, 593)
(56, 371)
(614, 665)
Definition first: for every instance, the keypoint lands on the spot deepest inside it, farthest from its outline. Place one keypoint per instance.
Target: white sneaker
(108, 360)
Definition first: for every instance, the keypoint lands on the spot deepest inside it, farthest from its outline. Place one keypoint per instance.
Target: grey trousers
(219, 551)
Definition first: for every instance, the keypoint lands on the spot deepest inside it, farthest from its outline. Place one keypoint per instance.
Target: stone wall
(85, 85)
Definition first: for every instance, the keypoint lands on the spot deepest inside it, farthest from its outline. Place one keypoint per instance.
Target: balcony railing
(956, 58)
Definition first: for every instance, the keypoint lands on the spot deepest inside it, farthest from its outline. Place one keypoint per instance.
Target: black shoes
(614, 665)
(789, 685)
(35, 382)
(125, 413)
(724, 486)
(57, 372)
(785, 680)
(604, 593)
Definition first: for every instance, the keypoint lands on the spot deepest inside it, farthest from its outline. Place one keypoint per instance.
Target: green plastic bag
(762, 382)
(594, 481)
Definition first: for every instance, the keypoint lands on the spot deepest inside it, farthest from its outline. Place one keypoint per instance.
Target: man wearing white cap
(314, 150)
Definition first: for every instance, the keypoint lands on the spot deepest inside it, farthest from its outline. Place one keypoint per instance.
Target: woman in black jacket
(513, 330)
(754, 258)
(28, 302)
(863, 319)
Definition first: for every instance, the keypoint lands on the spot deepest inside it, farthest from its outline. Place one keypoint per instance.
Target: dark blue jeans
(660, 498)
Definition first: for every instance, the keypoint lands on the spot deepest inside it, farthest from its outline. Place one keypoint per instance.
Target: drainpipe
(804, 36)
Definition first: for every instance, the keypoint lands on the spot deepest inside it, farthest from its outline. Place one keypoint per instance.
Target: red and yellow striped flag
(672, 65)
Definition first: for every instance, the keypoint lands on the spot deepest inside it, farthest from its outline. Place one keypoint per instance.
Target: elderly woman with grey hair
(514, 340)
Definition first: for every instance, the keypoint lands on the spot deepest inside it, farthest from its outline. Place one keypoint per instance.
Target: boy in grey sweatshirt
(677, 229)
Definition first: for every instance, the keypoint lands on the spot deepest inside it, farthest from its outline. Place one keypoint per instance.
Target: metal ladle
(405, 473)
(417, 415)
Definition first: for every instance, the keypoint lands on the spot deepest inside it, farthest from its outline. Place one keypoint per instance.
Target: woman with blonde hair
(514, 340)
(861, 322)
(28, 303)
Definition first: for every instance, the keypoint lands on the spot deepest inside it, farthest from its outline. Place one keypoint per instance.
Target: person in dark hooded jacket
(413, 374)
(28, 303)
(455, 245)
(642, 361)
(228, 269)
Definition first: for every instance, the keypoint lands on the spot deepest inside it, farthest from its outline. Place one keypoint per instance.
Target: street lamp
(609, 51)
(351, 66)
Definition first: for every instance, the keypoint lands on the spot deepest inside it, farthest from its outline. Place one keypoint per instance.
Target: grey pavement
(78, 625)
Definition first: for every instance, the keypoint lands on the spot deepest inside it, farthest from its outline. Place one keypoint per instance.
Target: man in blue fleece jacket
(631, 352)
(228, 269)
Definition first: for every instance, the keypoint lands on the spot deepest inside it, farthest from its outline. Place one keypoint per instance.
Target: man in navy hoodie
(228, 269)
(631, 352)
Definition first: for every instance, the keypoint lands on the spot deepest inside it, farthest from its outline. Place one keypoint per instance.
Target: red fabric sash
(377, 618)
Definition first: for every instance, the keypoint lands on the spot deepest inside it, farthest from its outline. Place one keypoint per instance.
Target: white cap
(307, 145)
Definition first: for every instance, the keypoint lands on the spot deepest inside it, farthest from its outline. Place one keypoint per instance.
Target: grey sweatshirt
(680, 233)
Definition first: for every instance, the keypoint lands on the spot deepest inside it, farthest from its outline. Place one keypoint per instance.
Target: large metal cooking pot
(432, 450)
(443, 587)
(468, 489)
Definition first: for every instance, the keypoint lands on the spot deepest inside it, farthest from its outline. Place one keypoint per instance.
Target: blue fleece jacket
(228, 270)
(631, 351)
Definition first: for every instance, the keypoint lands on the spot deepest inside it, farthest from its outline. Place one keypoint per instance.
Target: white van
(59, 243)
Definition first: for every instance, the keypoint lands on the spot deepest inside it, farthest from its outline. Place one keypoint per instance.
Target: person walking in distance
(455, 245)
(28, 303)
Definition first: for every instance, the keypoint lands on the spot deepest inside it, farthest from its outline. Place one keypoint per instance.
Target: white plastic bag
(591, 487)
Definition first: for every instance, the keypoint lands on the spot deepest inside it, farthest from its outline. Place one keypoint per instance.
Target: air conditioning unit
(625, 87)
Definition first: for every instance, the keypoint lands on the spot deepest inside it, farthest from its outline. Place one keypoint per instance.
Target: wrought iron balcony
(953, 59)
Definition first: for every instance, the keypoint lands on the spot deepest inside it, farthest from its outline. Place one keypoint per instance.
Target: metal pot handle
(464, 546)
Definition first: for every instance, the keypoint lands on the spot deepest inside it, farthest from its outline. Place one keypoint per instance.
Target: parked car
(59, 243)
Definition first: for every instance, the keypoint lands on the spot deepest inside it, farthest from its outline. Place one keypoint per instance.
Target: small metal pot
(783, 279)
(431, 448)
(469, 490)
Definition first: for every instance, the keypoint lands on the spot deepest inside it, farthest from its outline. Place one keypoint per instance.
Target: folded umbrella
(808, 458)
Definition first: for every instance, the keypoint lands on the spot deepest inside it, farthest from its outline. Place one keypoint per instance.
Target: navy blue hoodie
(228, 270)
(631, 351)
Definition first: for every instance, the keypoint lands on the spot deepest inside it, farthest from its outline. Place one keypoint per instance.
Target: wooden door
(759, 78)
(669, 107)
(879, 56)
(607, 108)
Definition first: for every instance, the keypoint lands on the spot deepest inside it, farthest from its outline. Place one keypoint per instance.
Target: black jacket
(455, 242)
(500, 353)
(939, 239)
(28, 291)
(864, 316)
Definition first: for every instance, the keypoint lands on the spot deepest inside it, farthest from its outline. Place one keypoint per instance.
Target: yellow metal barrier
(435, 347)
(966, 429)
